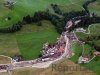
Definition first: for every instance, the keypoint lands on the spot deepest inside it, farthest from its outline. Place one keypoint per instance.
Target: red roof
(61, 49)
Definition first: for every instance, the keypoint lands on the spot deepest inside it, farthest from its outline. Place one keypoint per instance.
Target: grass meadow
(94, 65)
(29, 40)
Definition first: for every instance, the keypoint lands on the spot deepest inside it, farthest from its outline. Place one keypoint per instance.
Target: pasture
(94, 64)
(29, 40)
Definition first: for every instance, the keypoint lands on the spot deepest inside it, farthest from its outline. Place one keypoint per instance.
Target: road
(22, 64)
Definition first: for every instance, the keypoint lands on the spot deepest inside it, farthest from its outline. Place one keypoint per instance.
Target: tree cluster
(85, 5)
(86, 21)
(56, 9)
(12, 29)
(58, 22)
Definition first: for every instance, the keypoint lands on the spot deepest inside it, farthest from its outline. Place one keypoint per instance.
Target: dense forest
(60, 22)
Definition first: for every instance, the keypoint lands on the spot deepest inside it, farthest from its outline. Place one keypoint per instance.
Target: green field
(27, 39)
(30, 44)
(95, 7)
(94, 65)
(94, 29)
(25, 7)
(77, 49)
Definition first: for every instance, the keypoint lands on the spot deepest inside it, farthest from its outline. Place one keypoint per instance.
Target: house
(83, 59)
(97, 53)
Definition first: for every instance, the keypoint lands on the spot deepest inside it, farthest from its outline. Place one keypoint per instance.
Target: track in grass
(27, 7)
(17, 14)
(94, 64)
